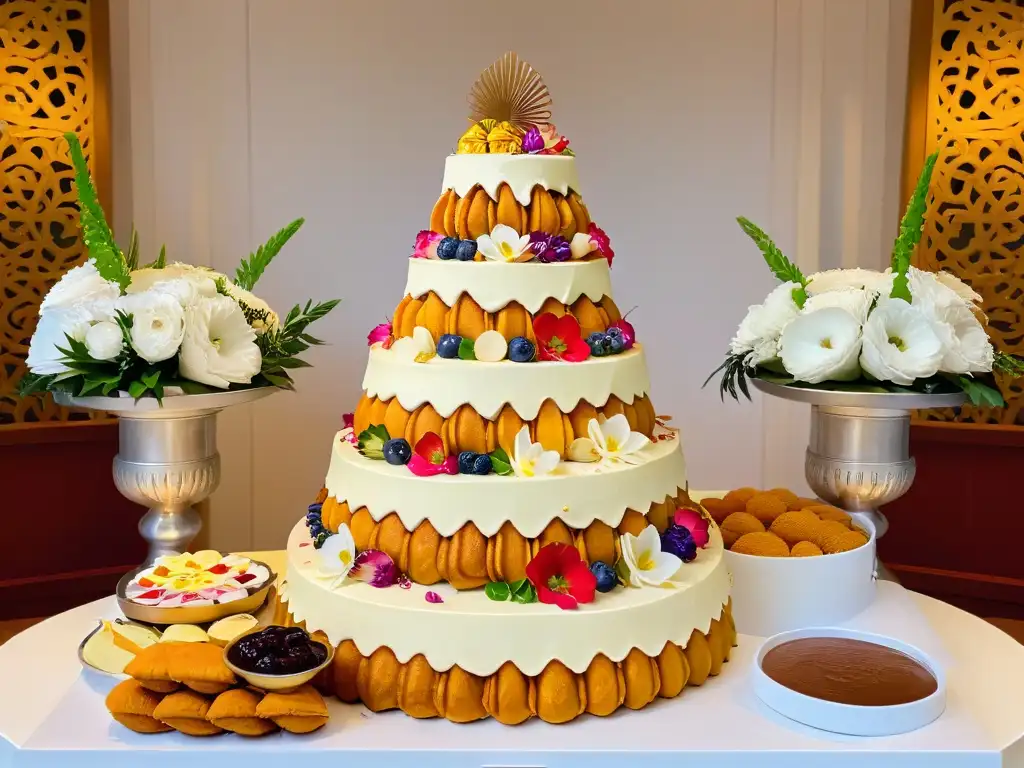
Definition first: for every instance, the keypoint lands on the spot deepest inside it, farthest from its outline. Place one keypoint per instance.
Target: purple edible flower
(548, 248)
(433, 597)
(533, 142)
(677, 540)
(374, 567)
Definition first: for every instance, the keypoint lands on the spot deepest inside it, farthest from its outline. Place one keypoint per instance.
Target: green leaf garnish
(911, 229)
(781, 267)
(132, 258)
(96, 233)
(467, 350)
(249, 272)
(371, 441)
(500, 462)
(1008, 364)
(523, 591)
(498, 591)
(980, 394)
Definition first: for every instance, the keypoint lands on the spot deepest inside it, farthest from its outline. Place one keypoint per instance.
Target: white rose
(104, 340)
(840, 279)
(204, 280)
(219, 348)
(966, 346)
(856, 301)
(959, 287)
(758, 334)
(185, 291)
(83, 286)
(157, 324)
(52, 331)
(823, 345)
(254, 302)
(900, 343)
(930, 293)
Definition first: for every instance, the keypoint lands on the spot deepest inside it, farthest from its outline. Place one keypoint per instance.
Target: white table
(52, 714)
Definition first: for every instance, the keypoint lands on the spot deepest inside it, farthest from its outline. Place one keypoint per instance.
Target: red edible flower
(695, 523)
(153, 594)
(559, 338)
(561, 577)
(604, 245)
(429, 458)
(242, 578)
(218, 569)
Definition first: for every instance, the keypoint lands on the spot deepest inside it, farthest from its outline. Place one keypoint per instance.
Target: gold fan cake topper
(511, 91)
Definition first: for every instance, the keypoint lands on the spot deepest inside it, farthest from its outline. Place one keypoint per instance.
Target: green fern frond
(96, 233)
(132, 257)
(1009, 364)
(777, 262)
(911, 228)
(249, 272)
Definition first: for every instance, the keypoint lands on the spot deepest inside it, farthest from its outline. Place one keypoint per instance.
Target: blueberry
(466, 250)
(315, 529)
(467, 460)
(294, 635)
(482, 464)
(521, 350)
(614, 331)
(616, 344)
(596, 343)
(606, 577)
(315, 507)
(319, 652)
(448, 346)
(447, 248)
(266, 665)
(397, 451)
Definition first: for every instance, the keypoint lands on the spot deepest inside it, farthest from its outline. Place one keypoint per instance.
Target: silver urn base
(167, 459)
(858, 457)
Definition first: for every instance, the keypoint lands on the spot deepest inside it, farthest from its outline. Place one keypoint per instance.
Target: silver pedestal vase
(167, 458)
(858, 457)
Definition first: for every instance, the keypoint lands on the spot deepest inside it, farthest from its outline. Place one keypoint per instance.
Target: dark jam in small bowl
(277, 651)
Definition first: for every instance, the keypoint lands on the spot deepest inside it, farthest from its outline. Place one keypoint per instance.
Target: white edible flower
(958, 286)
(44, 359)
(611, 442)
(504, 244)
(823, 345)
(581, 244)
(900, 343)
(336, 556)
(418, 348)
(83, 286)
(219, 347)
(856, 301)
(643, 561)
(966, 346)
(158, 324)
(839, 279)
(529, 459)
(104, 340)
(203, 280)
(758, 335)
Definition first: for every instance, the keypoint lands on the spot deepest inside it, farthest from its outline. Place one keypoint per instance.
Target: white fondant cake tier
(494, 285)
(576, 493)
(556, 173)
(479, 635)
(447, 384)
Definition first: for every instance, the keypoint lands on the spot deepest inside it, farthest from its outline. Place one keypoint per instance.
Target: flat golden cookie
(185, 711)
(200, 666)
(133, 706)
(235, 711)
(301, 711)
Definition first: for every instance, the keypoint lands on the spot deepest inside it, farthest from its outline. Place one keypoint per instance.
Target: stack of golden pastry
(186, 687)
(778, 523)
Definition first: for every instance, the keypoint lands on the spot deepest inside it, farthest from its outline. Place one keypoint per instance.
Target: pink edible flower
(426, 244)
(599, 238)
(433, 597)
(380, 333)
(348, 421)
(429, 458)
(374, 567)
(554, 142)
(695, 523)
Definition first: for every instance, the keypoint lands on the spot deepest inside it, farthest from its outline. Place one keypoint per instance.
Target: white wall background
(232, 118)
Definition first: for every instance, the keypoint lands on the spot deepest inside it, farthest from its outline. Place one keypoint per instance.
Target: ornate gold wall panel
(975, 117)
(48, 52)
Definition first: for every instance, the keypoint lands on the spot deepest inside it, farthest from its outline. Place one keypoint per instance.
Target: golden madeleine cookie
(719, 509)
(737, 524)
(828, 512)
(186, 711)
(740, 497)
(761, 544)
(766, 507)
(200, 666)
(301, 711)
(834, 543)
(825, 529)
(132, 705)
(151, 668)
(793, 527)
(791, 499)
(235, 711)
(805, 549)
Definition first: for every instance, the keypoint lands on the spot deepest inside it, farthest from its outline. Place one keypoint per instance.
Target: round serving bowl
(201, 614)
(276, 683)
(778, 594)
(849, 719)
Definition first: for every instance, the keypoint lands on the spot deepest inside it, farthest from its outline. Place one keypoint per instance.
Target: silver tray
(892, 401)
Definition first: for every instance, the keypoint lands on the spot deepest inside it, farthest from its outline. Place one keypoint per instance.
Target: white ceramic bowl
(778, 594)
(846, 718)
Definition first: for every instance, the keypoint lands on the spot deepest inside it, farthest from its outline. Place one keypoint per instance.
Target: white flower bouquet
(862, 330)
(111, 325)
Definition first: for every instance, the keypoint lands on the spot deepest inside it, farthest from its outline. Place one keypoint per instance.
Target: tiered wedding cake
(505, 529)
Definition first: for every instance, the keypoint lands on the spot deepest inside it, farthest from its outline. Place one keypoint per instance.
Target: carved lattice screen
(975, 224)
(47, 87)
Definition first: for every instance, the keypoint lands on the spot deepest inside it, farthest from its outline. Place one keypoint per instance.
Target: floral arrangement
(113, 325)
(504, 137)
(861, 330)
(505, 245)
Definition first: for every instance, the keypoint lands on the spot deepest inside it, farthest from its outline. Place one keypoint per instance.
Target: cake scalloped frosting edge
(555, 173)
